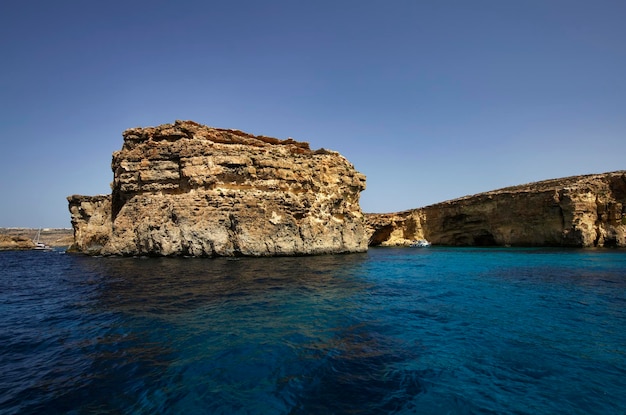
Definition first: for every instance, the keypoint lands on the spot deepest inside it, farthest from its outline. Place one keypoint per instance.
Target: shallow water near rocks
(392, 331)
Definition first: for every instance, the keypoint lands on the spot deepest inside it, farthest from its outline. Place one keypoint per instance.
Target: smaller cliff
(15, 243)
(192, 190)
(578, 211)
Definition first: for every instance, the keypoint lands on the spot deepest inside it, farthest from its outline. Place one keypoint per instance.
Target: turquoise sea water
(392, 331)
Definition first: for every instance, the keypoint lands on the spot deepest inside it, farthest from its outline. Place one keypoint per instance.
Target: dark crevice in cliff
(234, 231)
(380, 235)
(118, 199)
(484, 238)
(410, 228)
(596, 241)
(561, 212)
(618, 187)
(610, 241)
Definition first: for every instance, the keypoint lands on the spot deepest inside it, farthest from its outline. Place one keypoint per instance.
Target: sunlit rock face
(91, 221)
(15, 243)
(188, 189)
(579, 211)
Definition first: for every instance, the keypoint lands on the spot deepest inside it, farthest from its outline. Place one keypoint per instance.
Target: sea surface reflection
(390, 331)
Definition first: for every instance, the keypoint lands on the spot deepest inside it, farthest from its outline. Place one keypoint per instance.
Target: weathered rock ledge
(188, 189)
(578, 211)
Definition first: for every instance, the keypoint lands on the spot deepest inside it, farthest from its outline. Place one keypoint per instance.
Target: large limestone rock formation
(579, 211)
(188, 189)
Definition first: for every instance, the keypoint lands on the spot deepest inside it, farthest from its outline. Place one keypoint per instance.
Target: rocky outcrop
(579, 211)
(91, 221)
(15, 243)
(24, 238)
(188, 189)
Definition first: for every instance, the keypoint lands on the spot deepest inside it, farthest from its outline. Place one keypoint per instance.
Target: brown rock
(188, 189)
(91, 220)
(579, 211)
(23, 238)
(15, 243)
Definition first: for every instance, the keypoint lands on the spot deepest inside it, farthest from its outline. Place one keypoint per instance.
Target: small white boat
(40, 246)
(421, 243)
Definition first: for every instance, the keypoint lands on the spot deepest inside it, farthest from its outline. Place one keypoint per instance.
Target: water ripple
(394, 331)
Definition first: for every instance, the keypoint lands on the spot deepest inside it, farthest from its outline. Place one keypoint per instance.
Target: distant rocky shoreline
(23, 238)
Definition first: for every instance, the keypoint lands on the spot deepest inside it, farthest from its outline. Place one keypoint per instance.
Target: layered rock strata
(188, 189)
(579, 211)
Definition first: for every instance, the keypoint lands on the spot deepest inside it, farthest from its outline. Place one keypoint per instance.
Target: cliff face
(188, 189)
(580, 211)
(91, 221)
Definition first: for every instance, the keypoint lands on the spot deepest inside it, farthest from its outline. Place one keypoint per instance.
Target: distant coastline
(12, 239)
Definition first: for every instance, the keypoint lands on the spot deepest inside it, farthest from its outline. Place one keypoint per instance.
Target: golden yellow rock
(578, 211)
(188, 189)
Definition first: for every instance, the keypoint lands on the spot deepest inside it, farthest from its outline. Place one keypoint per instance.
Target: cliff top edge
(187, 129)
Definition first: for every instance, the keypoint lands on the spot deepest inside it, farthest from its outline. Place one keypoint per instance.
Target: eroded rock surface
(579, 211)
(188, 189)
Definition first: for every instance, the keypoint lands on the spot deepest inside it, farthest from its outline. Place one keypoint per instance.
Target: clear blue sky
(432, 100)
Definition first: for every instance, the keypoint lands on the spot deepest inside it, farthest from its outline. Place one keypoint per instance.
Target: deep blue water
(393, 331)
